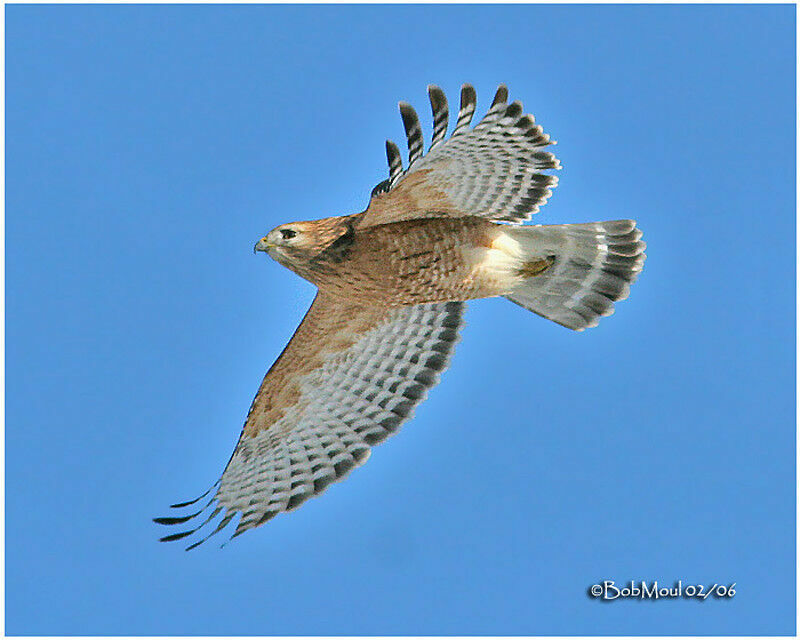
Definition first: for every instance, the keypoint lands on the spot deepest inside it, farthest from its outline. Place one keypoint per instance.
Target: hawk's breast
(426, 260)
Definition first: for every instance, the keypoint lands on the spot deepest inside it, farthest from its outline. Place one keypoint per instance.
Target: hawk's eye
(288, 234)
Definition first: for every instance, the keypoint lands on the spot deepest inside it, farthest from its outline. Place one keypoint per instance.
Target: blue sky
(148, 147)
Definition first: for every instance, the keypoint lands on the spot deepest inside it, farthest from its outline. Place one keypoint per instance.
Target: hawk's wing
(348, 378)
(493, 170)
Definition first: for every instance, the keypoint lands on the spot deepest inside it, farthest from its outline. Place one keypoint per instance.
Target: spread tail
(573, 273)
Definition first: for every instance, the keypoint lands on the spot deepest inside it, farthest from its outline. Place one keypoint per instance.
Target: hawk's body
(392, 282)
(409, 262)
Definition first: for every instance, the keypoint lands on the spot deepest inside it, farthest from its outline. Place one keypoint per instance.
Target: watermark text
(642, 590)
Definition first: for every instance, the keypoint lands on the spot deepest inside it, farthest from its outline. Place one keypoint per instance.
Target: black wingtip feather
(440, 113)
(501, 95)
(413, 131)
(176, 536)
(180, 505)
(514, 110)
(395, 161)
(167, 520)
(467, 109)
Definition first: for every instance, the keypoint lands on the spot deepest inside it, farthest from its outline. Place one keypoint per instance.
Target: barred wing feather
(494, 170)
(347, 380)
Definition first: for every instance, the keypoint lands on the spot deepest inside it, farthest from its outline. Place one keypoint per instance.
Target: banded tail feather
(577, 271)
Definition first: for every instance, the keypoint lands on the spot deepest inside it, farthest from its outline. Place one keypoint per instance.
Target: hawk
(392, 282)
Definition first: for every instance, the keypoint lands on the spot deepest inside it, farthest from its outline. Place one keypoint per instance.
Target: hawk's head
(297, 243)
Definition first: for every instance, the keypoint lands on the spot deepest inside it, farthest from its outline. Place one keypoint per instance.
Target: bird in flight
(392, 283)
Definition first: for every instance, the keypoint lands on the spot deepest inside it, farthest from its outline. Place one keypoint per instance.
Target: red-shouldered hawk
(392, 282)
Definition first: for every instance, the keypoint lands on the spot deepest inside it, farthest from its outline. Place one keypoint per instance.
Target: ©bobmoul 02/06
(392, 282)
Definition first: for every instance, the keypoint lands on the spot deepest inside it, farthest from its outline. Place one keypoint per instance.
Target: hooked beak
(262, 245)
